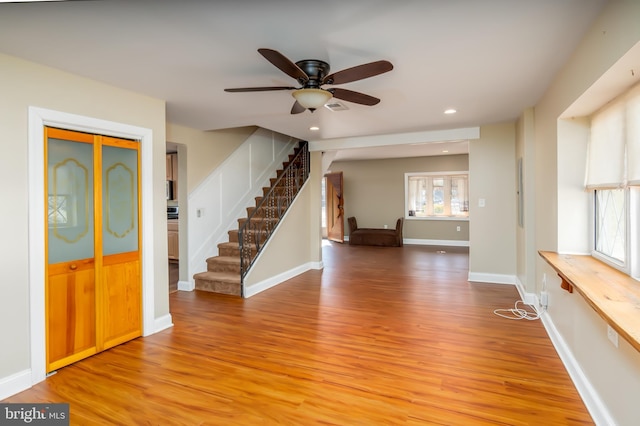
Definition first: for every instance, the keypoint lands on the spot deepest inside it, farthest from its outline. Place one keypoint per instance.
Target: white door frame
(38, 119)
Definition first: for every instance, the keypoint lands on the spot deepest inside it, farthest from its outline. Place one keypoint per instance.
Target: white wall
(23, 85)
(607, 377)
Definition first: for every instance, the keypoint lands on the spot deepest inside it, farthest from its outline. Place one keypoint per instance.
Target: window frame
(447, 175)
(631, 264)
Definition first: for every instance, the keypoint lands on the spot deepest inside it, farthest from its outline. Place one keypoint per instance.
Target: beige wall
(492, 175)
(374, 194)
(296, 244)
(614, 372)
(199, 154)
(525, 236)
(205, 150)
(24, 84)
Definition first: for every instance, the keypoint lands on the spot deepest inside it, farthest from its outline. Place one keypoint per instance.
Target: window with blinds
(613, 175)
(437, 195)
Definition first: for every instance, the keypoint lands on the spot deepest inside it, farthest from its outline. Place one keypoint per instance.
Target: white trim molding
(186, 285)
(38, 119)
(492, 278)
(162, 323)
(15, 383)
(597, 408)
(254, 289)
(450, 243)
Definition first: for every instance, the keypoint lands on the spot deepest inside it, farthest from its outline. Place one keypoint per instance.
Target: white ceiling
(489, 59)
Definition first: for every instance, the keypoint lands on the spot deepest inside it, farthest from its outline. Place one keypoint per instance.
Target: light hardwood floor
(380, 336)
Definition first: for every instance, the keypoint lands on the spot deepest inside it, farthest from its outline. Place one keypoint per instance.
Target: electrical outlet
(458, 228)
(544, 298)
(612, 335)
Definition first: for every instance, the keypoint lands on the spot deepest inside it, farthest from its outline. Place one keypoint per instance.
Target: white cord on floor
(517, 313)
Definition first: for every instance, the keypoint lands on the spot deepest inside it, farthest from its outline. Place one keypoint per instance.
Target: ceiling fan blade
(284, 64)
(358, 72)
(297, 108)
(355, 97)
(259, 89)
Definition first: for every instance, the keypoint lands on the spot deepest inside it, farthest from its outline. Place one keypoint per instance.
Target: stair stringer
(289, 251)
(216, 204)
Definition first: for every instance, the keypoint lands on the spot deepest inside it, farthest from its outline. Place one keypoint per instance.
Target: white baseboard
(254, 289)
(451, 243)
(186, 285)
(15, 383)
(23, 380)
(419, 242)
(589, 395)
(162, 323)
(528, 298)
(492, 278)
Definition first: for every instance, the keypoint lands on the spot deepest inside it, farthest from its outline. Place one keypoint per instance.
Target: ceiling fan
(312, 74)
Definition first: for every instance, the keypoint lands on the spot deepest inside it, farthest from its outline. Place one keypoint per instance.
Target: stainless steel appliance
(169, 189)
(172, 212)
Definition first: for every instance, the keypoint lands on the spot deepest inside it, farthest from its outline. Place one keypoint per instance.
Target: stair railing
(263, 220)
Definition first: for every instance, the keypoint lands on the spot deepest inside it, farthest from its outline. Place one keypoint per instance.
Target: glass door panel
(119, 200)
(70, 201)
(70, 290)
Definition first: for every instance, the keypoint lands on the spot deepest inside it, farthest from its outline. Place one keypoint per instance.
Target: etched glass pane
(120, 200)
(69, 200)
(610, 223)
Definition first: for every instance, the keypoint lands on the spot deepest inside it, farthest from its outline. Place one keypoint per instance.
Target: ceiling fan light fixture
(312, 98)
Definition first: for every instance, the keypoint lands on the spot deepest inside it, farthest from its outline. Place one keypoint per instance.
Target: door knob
(73, 266)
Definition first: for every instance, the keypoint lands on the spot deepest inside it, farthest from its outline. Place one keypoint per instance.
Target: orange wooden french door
(93, 289)
(334, 206)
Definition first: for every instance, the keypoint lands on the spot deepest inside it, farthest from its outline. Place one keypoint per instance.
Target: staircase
(225, 272)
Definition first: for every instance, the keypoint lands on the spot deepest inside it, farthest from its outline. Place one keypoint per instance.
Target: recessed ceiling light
(450, 111)
(314, 128)
(445, 150)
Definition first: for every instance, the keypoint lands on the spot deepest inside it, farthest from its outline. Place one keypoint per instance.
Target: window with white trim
(613, 177)
(436, 195)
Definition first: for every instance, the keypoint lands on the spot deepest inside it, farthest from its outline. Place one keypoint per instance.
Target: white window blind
(606, 158)
(633, 137)
(614, 146)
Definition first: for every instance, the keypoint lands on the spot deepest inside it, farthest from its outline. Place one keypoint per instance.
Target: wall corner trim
(162, 323)
(187, 285)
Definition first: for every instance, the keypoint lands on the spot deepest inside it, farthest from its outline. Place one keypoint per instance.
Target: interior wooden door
(120, 277)
(70, 290)
(335, 206)
(93, 288)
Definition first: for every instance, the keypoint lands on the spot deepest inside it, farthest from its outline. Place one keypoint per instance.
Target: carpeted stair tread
(218, 276)
(224, 264)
